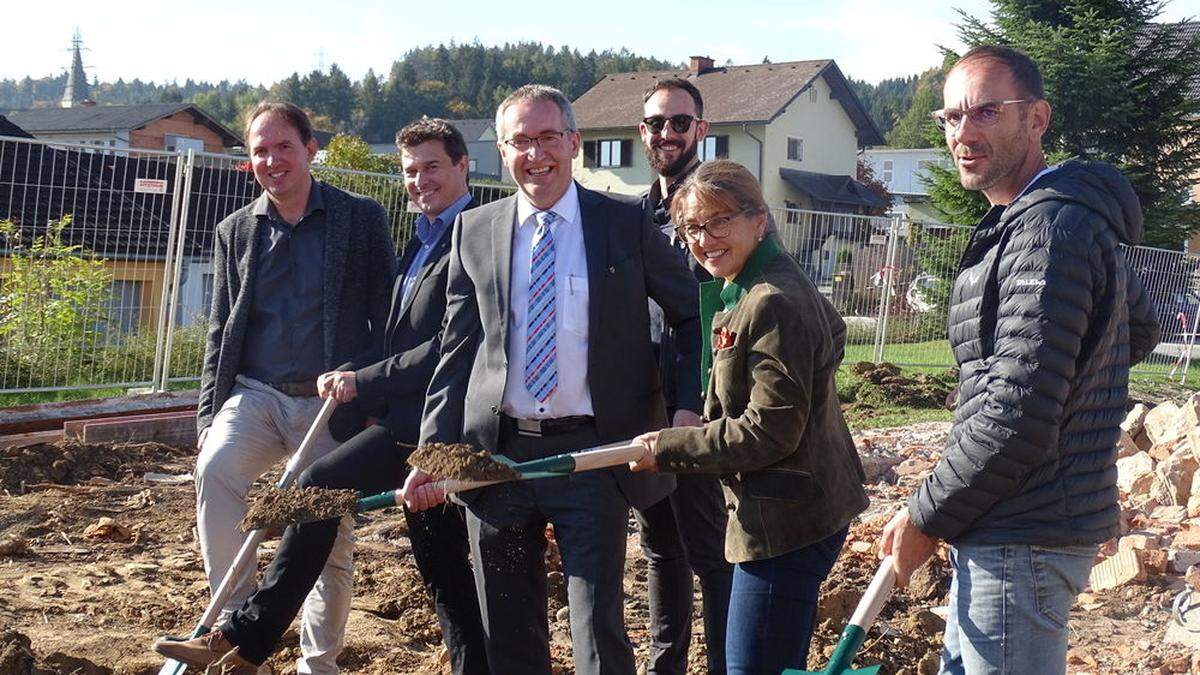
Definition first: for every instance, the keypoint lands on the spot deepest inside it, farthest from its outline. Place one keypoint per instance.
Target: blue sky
(227, 39)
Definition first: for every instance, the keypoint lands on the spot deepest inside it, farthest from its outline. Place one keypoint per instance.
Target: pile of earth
(884, 384)
(70, 462)
(17, 658)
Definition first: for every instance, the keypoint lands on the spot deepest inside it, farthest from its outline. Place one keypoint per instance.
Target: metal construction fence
(106, 266)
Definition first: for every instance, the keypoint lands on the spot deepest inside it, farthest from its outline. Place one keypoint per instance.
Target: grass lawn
(934, 353)
(27, 398)
(895, 417)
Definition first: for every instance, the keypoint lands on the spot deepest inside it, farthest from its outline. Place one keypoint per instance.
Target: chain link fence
(106, 267)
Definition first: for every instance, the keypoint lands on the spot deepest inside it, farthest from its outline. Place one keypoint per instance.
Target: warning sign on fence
(154, 186)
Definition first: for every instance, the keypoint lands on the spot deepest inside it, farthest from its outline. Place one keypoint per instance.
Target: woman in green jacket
(773, 428)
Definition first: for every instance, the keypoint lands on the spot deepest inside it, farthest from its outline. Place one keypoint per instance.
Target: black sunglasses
(680, 123)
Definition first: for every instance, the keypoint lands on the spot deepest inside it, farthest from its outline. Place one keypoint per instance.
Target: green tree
(1119, 86)
(915, 128)
(53, 304)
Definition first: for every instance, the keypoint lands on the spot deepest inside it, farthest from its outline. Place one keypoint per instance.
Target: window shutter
(626, 152)
(589, 154)
(723, 147)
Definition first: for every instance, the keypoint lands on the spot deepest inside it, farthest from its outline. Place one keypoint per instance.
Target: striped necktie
(541, 352)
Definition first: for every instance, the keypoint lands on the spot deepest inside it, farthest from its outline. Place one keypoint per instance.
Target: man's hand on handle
(908, 546)
(421, 491)
(340, 385)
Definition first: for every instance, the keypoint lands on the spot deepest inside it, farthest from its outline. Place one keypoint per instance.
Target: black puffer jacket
(1045, 320)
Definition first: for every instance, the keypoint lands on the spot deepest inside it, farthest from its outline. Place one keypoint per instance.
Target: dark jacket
(680, 393)
(1045, 320)
(392, 378)
(627, 262)
(774, 428)
(358, 269)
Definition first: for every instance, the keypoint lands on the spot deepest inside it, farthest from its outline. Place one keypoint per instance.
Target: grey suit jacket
(628, 261)
(359, 266)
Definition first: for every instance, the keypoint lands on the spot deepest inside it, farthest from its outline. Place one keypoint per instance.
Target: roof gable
(113, 118)
(754, 94)
(472, 129)
(7, 128)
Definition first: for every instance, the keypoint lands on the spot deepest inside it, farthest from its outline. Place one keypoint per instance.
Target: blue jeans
(1009, 606)
(773, 607)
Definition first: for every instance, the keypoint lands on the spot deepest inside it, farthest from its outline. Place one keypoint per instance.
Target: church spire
(77, 84)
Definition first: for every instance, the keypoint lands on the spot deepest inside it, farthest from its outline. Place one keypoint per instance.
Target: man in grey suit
(301, 277)
(546, 349)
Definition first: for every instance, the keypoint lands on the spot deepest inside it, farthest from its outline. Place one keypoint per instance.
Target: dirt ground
(78, 595)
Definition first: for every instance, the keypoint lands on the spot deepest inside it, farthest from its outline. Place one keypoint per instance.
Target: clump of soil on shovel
(276, 509)
(461, 462)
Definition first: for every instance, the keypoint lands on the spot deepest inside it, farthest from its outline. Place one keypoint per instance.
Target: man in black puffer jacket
(1046, 319)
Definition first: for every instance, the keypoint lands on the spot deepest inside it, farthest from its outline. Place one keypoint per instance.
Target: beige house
(797, 126)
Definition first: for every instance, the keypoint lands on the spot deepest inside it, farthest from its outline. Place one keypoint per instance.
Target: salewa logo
(1031, 282)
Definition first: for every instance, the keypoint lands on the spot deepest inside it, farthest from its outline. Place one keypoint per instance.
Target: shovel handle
(582, 460)
(875, 596)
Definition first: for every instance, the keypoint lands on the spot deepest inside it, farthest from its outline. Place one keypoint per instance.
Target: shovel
(548, 467)
(246, 554)
(855, 632)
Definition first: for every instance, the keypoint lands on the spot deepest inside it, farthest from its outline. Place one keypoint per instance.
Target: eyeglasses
(717, 227)
(983, 114)
(548, 138)
(680, 123)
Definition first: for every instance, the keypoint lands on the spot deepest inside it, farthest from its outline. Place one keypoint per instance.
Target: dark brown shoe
(208, 649)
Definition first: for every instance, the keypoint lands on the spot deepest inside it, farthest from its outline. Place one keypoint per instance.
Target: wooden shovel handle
(602, 458)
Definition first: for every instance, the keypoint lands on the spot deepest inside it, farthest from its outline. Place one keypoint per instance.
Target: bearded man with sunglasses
(685, 531)
(1046, 318)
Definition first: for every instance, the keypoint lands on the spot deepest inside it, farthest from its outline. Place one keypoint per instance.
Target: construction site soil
(273, 508)
(86, 596)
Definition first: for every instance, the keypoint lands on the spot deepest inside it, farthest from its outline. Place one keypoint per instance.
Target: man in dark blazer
(545, 350)
(384, 386)
(301, 277)
(685, 532)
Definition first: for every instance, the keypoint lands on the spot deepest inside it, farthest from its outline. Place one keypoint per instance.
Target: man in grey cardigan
(301, 276)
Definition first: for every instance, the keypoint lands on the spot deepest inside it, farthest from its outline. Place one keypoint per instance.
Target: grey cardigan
(359, 267)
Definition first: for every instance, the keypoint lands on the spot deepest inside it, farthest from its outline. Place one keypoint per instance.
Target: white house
(797, 126)
(904, 171)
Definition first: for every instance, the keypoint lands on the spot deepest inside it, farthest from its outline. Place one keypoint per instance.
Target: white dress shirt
(571, 397)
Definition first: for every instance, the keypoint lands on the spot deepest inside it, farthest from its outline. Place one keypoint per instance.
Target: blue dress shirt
(429, 233)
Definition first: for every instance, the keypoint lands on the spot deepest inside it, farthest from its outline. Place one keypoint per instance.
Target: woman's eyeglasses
(717, 227)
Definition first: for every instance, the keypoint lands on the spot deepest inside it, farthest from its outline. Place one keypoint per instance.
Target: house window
(793, 212)
(608, 153)
(812, 94)
(795, 149)
(887, 171)
(182, 144)
(124, 306)
(713, 147)
(471, 165)
(206, 294)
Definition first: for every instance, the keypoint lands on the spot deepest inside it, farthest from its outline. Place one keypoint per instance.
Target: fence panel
(82, 257)
(221, 184)
(846, 257)
(106, 276)
(1170, 279)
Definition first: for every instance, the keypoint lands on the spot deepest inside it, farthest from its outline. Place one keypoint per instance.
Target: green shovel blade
(843, 656)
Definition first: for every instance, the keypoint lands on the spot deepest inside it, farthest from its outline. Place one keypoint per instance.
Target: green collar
(734, 290)
(717, 295)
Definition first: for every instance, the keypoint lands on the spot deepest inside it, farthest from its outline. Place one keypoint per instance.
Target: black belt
(301, 388)
(550, 427)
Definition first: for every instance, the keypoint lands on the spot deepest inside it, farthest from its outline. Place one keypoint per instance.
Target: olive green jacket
(773, 425)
